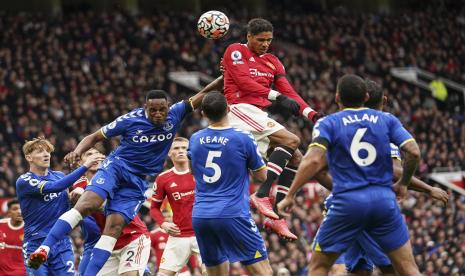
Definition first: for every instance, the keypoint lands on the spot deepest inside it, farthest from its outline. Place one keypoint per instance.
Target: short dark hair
(11, 203)
(376, 94)
(215, 106)
(352, 90)
(259, 25)
(156, 94)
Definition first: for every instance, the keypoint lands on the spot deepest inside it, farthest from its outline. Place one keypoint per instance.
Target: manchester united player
(249, 75)
(158, 238)
(132, 249)
(177, 184)
(11, 241)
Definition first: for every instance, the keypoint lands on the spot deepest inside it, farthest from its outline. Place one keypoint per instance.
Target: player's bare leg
(261, 268)
(403, 261)
(320, 263)
(131, 273)
(338, 270)
(87, 203)
(218, 270)
(165, 272)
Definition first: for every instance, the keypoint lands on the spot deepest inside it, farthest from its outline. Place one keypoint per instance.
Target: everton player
(357, 141)
(43, 197)
(147, 134)
(11, 241)
(361, 257)
(221, 159)
(132, 249)
(249, 74)
(176, 184)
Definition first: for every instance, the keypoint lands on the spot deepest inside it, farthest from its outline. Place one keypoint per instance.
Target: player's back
(220, 161)
(40, 211)
(359, 152)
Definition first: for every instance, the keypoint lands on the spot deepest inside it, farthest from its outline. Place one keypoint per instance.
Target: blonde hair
(37, 143)
(180, 139)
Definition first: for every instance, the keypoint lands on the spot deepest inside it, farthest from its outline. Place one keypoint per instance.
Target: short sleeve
(115, 128)
(179, 110)
(254, 160)
(158, 190)
(26, 185)
(322, 133)
(398, 135)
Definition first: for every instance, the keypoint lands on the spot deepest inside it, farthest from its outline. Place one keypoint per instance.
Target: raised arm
(89, 141)
(420, 186)
(216, 85)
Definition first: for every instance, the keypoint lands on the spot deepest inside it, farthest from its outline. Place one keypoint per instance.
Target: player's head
(377, 98)
(259, 35)
(214, 107)
(351, 91)
(178, 150)
(91, 152)
(14, 211)
(156, 106)
(38, 152)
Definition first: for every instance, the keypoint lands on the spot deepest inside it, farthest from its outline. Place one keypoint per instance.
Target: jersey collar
(180, 172)
(220, 128)
(356, 109)
(15, 227)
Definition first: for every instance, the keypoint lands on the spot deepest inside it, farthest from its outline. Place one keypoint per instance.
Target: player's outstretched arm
(89, 141)
(67, 181)
(420, 186)
(216, 85)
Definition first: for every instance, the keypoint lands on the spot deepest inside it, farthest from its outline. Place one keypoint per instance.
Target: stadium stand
(65, 76)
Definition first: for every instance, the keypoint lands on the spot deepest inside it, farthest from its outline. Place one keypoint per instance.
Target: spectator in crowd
(63, 77)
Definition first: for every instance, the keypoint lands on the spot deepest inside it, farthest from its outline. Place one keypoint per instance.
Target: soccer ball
(213, 24)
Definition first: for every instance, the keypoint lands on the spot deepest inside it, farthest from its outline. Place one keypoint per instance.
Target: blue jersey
(221, 159)
(40, 210)
(145, 145)
(358, 146)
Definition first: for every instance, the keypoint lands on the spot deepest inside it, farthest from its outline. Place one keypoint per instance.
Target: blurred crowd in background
(64, 77)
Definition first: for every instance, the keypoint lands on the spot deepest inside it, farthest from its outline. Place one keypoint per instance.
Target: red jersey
(248, 78)
(130, 232)
(158, 239)
(179, 188)
(11, 242)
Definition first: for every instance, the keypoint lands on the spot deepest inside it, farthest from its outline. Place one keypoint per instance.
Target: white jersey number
(210, 164)
(357, 145)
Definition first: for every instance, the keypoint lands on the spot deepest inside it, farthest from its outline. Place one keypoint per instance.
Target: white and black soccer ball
(213, 24)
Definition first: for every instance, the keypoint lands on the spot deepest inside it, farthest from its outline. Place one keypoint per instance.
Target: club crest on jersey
(101, 180)
(167, 126)
(271, 65)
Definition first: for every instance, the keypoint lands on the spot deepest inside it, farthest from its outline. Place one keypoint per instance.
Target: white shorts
(178, 251)
(132, 257)
(251, 118)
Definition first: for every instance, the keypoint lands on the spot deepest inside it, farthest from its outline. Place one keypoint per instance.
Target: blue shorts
(372, 209)
(229, 239)
(60, 259)
(365, 254)
(125, 191)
